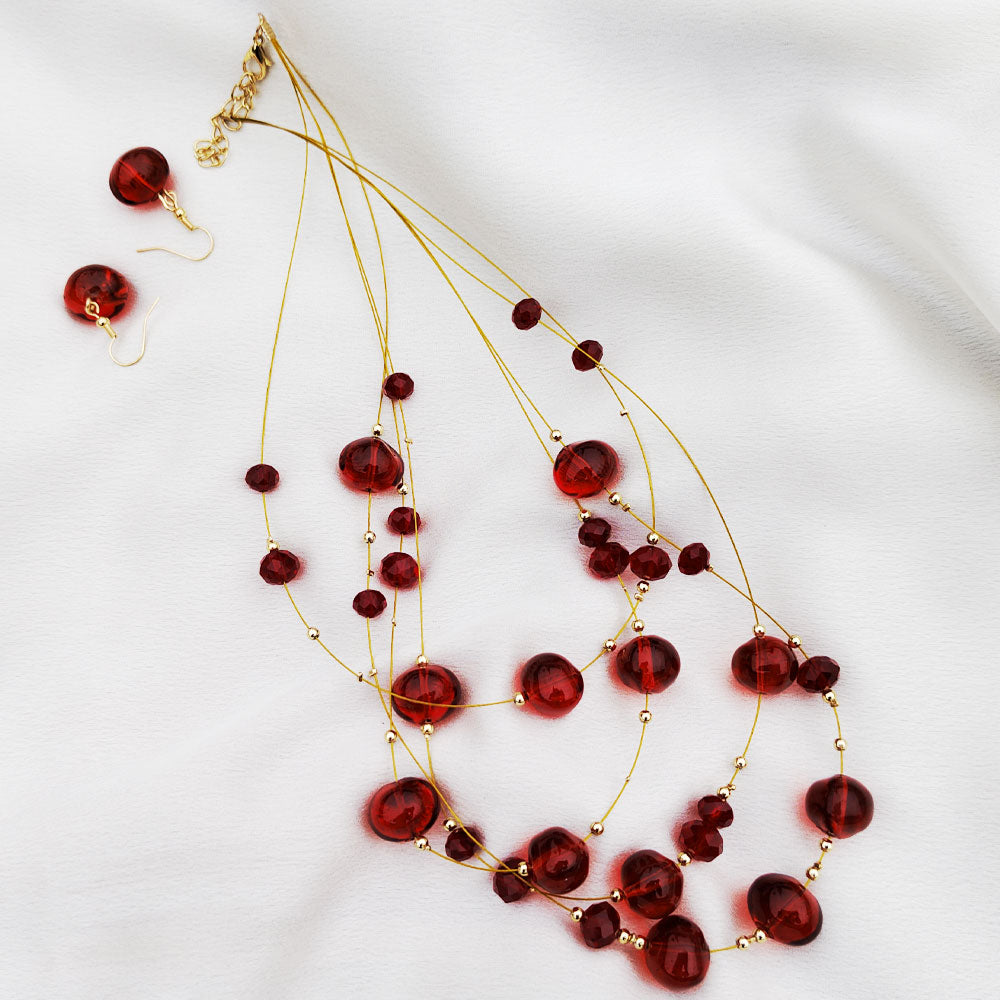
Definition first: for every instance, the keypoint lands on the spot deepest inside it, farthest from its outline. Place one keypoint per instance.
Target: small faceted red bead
(526, 314)
(399, 570)
(715, 811)
(403, 520)
(647, 664)
(818, 673)
(676, 952)
(587, 355)
(693, 559)
(600, 925)
(558, 859)
(404, 809)
(460, 845)
(551, 685)
(139, 175)
(593, 532)
(104, 285)
(508, 886)
(765, 664)
(262, 478)
(427, 682)
(369, 603)
(279, 567)
(370, 465)
(840, 806)
(701, 841)
(652, 884)
(608, 560)
(784, 909)
(398, 385)
(586, 468)
(650, 562)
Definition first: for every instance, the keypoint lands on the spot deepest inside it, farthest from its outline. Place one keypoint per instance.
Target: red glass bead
(370, 465)
(784, 909)
(404, 809)
(593, 532)
(608, 560)
(398, 385)
(765, 664)
(279, 567)
(652, 884)
(647, 663)
(586, 355)
(508, 886)
(715, 811)
(139, 175)
(551, 685)
(600, 925)
(426, 682)
(701, 841)
(676, 952)
(369, 603)
(399, 570)
(104, 285)
(585, 468)
(693, 559)
(262, 478)
(526, 314)
(650, 562)
(818, 673)
(840, 806)
(460, 845)
(559, 860)
(403, 520)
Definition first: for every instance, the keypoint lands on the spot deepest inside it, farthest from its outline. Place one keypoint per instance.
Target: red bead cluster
(700, 838)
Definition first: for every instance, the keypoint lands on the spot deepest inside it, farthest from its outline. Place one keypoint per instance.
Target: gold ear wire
(93, 310)
(169, 202)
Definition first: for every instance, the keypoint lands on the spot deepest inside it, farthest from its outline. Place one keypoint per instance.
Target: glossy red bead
(676, 952)
(647, 663)
(765, 664)
(593, 532)
(701, 841)
(526, 314)
(715, 811)
(600, 925)
(818, 674)
(608, 560)
(551, 685)
(399, 570)
(279, 567)
(651, 884)
(693, 559)
(507, 885)
(398, 386)
(460, 845)
(103, 284)
(139, 175)
(784, 909)
(404, 809)
(650, 562)
(427, 682)
(587, 355)
(262, 478)
(586, 468)
(840, 806)
(370, 465)
(559, 860)
(369, 603)
(403, 520)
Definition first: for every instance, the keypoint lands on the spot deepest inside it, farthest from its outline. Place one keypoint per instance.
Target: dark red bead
(558, 859)
(404, 809)
(508, 886)
(427, 682)
(399, 570)
(784, 909)
(262, 478)
(652, 884)
(701, 841)
(818, 673)
(403, 520)
(593, 532)
(526, 314)
(693, 559)
(551, 685)
(608, 560)
(840, 806)
(586, 468)
(103, 284)
(370, 465)
(650, 562)
(715, 811)
(279, 567)
(398, 385)
(765, 664)
(587, 355)
(676, 952)
(369, 603)
(460, 845)
(139, 175)
(647, 663)
(600, 925)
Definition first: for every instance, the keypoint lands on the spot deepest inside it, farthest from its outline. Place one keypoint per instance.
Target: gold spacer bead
(825, 844)
(585, 515)
(369, 537)
(615, 499)
(725, 791)
(638, 625)
(759, 629)
(313, 633)
(626, 506)
(683, 859)
(642, 586)
(422, 844)
(377, 430)
(450, 825)
(271, 545)
(794, 641)
(812, 873)
(610, 644)
(427, 729)
(743, 943)
(639, 942)
(373, 672)
(576, 913)
(555, 435)
(518, 698)
(391, 735)
(652, 538)
(522, 869)
(597, 828)
(740, 763)
(840, 743)
(623, 413)
(421, 660)
(830, 698)
(645, 716)
(616, 895)
(624, 936)
(759, 936)
(709, 568)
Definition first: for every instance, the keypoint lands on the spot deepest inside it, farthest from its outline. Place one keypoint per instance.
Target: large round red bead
(647, 663)
(106, 286)
(593, 532)
(399, 570)
(370, 465)
(676, 952)
(558, 859)
(506, 884)
(398, 386)
(586, 468)
(600, 925)
(840, 806)
(650, 562)
(426, 683)
(765, 664)
(652, 884)
(262, 478)
(551, 685)
(715, 811)
(818, 674)
(403, 809)
(784, 909)
(139, 175)
(608, 560)
(279, 567)
(369, 603)
(693, 559)
(700, 840)
(403, 520)
(526, 314)
(587, 355)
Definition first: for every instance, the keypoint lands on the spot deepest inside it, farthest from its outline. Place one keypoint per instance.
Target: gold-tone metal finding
(93, 310)
(169, 201)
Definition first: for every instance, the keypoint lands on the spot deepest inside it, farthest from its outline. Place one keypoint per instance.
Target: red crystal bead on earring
(608, 560)
(508, 886)
(818, 674)
(526, 314)
(399, 570)
(676, 952)
(784, 909)
(461, 843)
(139, 175)
(279, 567)
(551, 685)
(693, 559)
(593, 532)
(600, 925)
(103, 285)
(262, 478)
(647, 664)
(370, 465)
(701, 841)
(651, 884)
(398, 386)
(426, 682)
(650, 562)
(586, 468)
(369, 603)
(715, 811)
(403, 809)
(403, 520)
(840, 806)
(764, 664)
(558, 859)
(587, 355)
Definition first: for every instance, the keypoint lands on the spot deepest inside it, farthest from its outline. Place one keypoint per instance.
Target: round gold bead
(585, 515)
(639, 942)
(683, 859)
(402, 489)
(740, 763)
(522, 869)
(840, 743)
(576, 913)
(313, 633)
(812, 873)
(759, 936)
(624, 936)
(272, 545)
(369, 537)
(725, 791)
(642, 586)
(825, 844)
(421, 660)
(743, 943)
(610, 644)
(450, 824)
(759, 629)
(830, 698)
(421, 844)
(794, 641)
(616, 895)
(638, 625)
(427, 729)
(377, 430)
(615, 499)
(597, 828)
(518, 698)
(645, 716)
(391, 735)
(555, 435)
(652, 538)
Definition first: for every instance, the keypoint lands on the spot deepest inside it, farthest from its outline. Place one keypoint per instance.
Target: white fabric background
(780, 219)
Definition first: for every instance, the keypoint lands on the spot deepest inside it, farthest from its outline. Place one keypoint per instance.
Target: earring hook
(169, 201)
(93, 310)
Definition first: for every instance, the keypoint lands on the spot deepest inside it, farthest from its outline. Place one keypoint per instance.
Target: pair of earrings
(97, 293)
